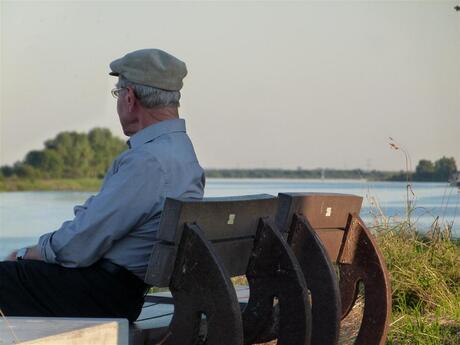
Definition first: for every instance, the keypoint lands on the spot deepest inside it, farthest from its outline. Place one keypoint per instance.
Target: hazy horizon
(270, 84)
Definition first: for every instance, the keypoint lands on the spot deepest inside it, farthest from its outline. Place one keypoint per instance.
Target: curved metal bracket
(273, 271)
(200, 285)
(321, 280)
(360, 260)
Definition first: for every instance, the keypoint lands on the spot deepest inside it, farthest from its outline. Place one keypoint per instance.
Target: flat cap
(151, 67)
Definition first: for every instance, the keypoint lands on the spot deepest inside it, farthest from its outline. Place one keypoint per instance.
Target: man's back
(120, 222)
(176, 173)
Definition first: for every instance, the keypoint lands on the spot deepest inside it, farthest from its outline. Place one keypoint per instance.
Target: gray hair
(151, 97)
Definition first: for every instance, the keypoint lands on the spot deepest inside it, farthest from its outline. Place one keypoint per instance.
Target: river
(26, 215)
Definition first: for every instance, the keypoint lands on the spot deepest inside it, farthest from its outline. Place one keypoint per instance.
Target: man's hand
(12, 256)
(33, 253)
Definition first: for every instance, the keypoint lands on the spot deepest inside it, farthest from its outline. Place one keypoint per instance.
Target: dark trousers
(36, 288)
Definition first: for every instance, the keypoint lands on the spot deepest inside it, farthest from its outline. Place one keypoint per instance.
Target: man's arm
(127, 198)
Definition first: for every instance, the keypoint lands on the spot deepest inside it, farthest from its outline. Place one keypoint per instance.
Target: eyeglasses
(116, 91)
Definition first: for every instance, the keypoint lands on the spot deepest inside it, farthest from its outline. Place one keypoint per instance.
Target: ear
(131, 99)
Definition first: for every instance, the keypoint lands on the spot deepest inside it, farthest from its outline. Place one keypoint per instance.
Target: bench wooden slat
(219, 218)
(323, 211)
(229, 223)
(332, 241)
(235, 264)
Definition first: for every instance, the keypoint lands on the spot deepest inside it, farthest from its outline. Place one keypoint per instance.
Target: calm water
(26, 215)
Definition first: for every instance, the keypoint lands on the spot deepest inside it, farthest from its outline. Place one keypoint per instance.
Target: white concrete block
(63, 331)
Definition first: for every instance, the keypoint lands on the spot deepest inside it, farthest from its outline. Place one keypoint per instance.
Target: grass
(425, 279)
(20, 184)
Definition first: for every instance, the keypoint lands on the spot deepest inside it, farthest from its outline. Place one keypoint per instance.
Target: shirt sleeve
(126, 199)
(83, 207)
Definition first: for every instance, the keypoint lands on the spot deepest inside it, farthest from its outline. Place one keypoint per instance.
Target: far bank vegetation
(78, 161)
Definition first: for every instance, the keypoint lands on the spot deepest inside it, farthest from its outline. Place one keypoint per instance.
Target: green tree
(444, 168)
(25, 170)
(75, 151)
(7, 171)
(424, 171)
(70, 155)
(105, 148)
(48, 162)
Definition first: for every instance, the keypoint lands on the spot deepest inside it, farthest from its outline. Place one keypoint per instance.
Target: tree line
(89, 155)
(70, 155)
(300, 173)
(440, 170)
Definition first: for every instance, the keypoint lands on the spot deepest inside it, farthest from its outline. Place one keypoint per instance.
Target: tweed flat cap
(151, 67)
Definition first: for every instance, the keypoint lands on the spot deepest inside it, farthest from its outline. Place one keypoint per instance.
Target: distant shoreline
(16, 184)
(23, 184)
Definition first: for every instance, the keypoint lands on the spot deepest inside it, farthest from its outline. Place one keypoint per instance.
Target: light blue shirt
(120, 222)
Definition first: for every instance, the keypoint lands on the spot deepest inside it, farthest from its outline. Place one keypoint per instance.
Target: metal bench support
(273, 271)
(321, 279)
(361, 261)
(334, 219)
(199, 286)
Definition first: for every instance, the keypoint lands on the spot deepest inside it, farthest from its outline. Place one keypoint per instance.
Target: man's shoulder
(161, 150)
(135, 157)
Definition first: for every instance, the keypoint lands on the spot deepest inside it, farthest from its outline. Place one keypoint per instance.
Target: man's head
(148, 88)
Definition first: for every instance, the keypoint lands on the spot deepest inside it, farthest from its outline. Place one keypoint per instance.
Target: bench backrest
(230, 224)
(328, 215)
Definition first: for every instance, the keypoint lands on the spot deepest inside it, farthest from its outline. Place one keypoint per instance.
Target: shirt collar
(154, 131)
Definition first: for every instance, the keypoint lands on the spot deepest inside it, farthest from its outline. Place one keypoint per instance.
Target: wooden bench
(325, 229)
(325, 234)
(201, 244)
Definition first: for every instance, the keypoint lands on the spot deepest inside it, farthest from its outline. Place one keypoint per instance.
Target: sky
(270, 84)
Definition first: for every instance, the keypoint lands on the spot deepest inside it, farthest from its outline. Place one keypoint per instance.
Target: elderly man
(94, 265)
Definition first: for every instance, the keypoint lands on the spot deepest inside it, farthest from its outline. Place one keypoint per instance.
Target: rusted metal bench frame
(197, 265)
(304, 217)
(273, 271)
